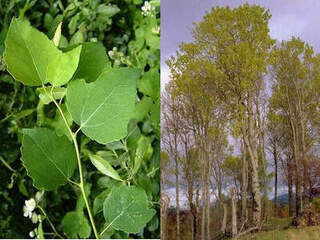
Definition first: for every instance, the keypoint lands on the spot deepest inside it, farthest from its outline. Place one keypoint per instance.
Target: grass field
(308, 233)
(283, 231)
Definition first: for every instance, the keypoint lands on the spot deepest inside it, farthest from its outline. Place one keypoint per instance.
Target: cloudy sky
(289, 18)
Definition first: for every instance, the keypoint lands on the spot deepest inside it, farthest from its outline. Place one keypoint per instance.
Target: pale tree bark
(208, 198)
(260, 129)
(177, 197)
(204, 203)
(197, 207)
(250, 141)
(234, 214)
(224, 219)
(244, 185)
(165, 200)
(290, 186)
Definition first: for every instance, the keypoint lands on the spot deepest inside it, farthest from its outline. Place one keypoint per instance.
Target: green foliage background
(115, 23)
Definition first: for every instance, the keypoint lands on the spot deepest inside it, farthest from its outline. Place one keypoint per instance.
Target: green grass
(308, 233)
(283, 231)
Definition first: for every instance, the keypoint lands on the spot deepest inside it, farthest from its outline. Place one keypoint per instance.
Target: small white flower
(31, 234)
(39, 196)
(25, 211)
(111, 54)
(30, 205)
(34, 218)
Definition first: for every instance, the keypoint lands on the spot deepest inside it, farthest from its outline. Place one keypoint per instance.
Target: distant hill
(284, 199)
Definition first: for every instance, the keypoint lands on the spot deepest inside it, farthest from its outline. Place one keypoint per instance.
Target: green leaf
(153, 224)
(50, 160)
(93, 60)
(103, 108)
(27, 53)
(104, 167)
(108, 10)
(134, 134)
(38, 61)
(40, 231)
(115, 145)
(126, 208)
(73, 24)
(142, 108)
(143, 145)
(57, 36)
(85, 228)
(74, 224)
(98, 201)
(63, 66)
(155, 116)
(57, 92)
(23, 113)
(71, 224)
(149, 84)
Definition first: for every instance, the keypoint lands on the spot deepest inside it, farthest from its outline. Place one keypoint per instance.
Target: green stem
(51, 224)
(81, 185)
(153, 171)
(6, 164)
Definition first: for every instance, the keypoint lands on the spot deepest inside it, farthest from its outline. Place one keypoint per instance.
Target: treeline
(239, 104)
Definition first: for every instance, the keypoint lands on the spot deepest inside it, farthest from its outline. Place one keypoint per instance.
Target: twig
(51, 224)
(247, 231)
(6, 164)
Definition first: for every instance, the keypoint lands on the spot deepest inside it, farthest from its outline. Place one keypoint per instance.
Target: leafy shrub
(120, 160)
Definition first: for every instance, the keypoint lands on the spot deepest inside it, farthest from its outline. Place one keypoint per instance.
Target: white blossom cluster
(148, 9)
(29, 211)
(118, 57)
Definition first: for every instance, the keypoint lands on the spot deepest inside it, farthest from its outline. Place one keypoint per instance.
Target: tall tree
(235, 43)
(295, 68)
(170, 135)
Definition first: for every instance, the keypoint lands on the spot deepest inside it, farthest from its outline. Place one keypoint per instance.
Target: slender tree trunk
(255, 173)
(297, 182)
(208, 211)
(208, 196)
(275, 158)
(224, 220)
(197, 210)
(296, 155)
(164, 216)
(194, 221)
(244, 184)
(203, 210)
(177, 191)
(290, 188)
(234, 214)
(192, 207)
(264, 160)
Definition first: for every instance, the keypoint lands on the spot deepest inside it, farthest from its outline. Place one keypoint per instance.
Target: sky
(300, 18)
